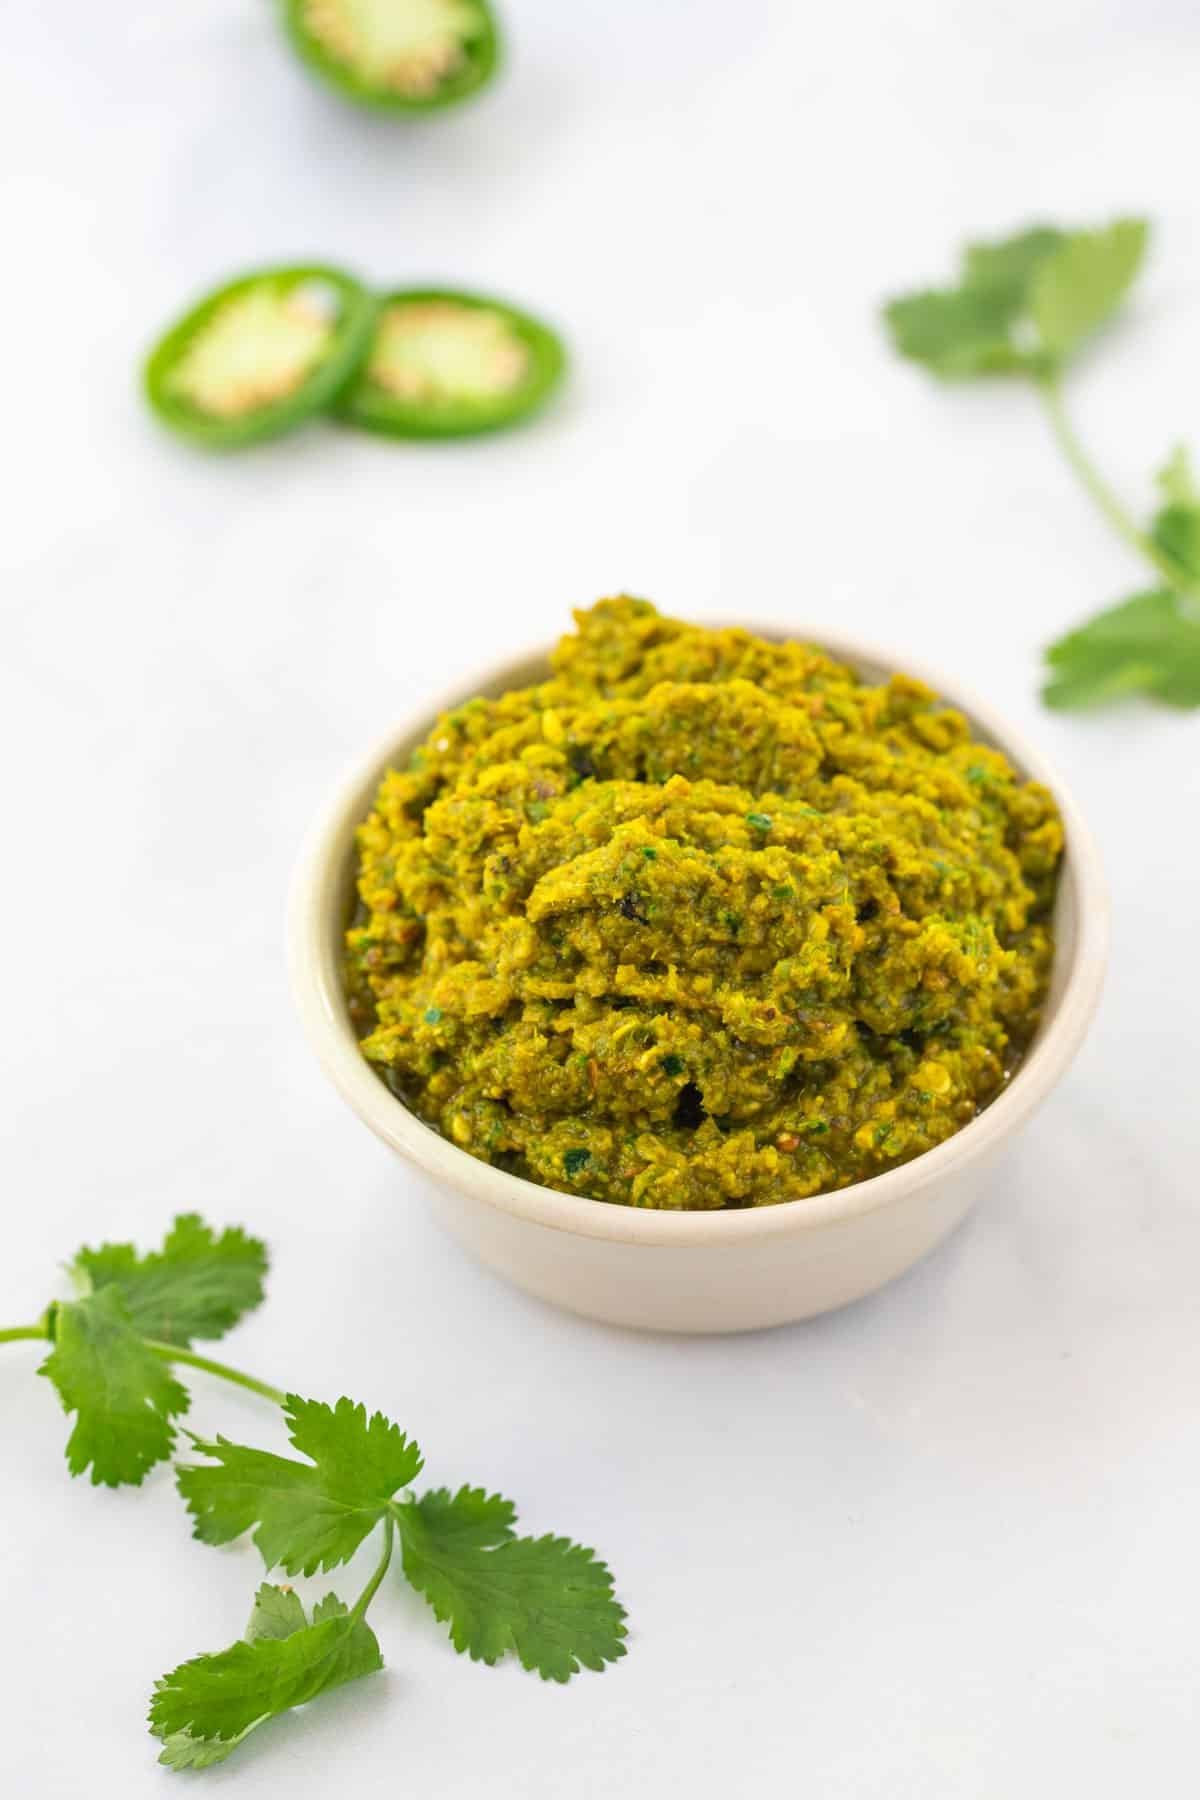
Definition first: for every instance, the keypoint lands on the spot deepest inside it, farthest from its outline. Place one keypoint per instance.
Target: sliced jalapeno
(405, 55)
(446, 365)
(260, 354)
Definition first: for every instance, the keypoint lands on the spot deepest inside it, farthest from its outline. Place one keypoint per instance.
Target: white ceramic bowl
(691, 1271)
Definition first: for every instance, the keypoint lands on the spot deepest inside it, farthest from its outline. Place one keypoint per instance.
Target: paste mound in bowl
(701, 921)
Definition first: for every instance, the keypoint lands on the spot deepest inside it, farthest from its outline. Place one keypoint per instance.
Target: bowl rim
(314, 972)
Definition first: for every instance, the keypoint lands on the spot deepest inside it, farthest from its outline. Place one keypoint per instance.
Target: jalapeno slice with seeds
(260, 354)
(444, 364)
(402, 55)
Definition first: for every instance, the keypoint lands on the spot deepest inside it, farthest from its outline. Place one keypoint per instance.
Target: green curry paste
(701, 920)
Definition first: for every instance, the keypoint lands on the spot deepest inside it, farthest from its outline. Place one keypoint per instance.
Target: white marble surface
(942, 1545)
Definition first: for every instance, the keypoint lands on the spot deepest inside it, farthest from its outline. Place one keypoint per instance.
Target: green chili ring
(304, 390)
(480, 54)
(522, 359)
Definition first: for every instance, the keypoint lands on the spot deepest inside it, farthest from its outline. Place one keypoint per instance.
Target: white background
(941, 1545)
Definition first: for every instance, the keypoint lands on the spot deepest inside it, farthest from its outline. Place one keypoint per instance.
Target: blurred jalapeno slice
(448, 364)
(404, 55)
(260, 354)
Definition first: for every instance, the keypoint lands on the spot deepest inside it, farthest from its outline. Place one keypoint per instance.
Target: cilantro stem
(15, 1332)
(372, 1588)
(172, 1353)
(1050, 389)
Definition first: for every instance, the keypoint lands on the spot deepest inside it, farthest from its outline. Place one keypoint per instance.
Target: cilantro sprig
(1027, 306)
(116, 1349)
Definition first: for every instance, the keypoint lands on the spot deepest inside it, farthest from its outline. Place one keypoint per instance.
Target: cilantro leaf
(470, 1519)
(124, 1397)
(1006, 268)
(1080, 286)
(1176, 531)
(1175, 527)
(206, 1707)
(357, 1456)
(971, 329)
(547, 1599)
(1024, 304)
(955, 332)
(312, 1515)
(183, 1751)
(276, 1613)
(197, 1286)
(1175, 480)
(1148, 644)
